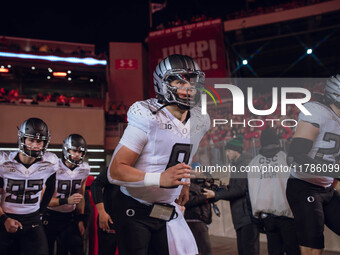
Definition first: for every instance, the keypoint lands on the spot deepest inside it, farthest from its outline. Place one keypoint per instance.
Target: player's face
(34, 144)
(183, 90)
(232, 155)
(75, 154)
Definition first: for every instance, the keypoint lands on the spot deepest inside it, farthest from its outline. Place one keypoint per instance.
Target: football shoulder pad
(50, 157)
(5, 156)
(140, 114)
(198, 120)
(320, 113)
(84, 166)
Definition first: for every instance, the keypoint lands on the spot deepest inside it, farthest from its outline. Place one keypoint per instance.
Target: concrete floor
(227, 246)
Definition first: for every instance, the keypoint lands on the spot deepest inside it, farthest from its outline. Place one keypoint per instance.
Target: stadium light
(59, 74)
(4, 70)
(73, 60)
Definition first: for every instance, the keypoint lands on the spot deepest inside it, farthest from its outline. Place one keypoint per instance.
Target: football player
(26, 175)
(151, 162)
(64, 217)
(315, 151)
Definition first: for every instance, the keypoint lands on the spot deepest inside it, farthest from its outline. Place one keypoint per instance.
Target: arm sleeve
(49, 191)
(298, 155)
(97, 186)
(196, 200)
(236, 189)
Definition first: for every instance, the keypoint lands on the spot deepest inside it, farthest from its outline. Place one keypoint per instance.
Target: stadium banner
(202, 41)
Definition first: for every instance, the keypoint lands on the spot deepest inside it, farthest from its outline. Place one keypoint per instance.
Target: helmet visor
(194, 78)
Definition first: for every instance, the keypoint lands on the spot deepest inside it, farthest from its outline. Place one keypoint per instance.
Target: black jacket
(197, 207)
(237, 194)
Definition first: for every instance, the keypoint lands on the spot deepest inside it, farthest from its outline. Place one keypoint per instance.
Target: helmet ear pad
(167, 96)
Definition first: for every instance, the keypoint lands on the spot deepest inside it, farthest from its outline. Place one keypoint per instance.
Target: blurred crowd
(8, 45)
(58, 99)
(250, 8)
(261, 101)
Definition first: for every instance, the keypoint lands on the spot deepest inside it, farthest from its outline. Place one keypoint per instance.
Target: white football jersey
(327, 144)
(169, 142)
(69, 182)
(267, 187)
(21, 193)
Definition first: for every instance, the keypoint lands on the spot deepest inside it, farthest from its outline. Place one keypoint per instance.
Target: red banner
(202, 41)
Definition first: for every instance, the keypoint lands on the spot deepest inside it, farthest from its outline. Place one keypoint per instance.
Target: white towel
(180, 239)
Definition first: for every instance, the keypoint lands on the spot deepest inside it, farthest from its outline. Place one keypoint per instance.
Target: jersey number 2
(330, 151)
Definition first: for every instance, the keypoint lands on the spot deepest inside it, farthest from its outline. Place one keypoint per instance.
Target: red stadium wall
(62, 121)
(125, 78)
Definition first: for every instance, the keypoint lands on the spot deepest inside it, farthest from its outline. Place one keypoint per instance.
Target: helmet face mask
(189, 83)
(33, 129)
(74, 142)
(186, 74)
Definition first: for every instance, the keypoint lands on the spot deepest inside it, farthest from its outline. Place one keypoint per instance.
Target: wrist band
(3, 218)
(152, 179)
(63, 201)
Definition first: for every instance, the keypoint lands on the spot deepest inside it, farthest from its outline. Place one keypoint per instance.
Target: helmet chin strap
(160, 108)
(183, 107)
(31, 153)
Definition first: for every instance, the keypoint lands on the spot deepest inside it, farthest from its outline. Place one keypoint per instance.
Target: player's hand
(12, 225)
(81, 227)
(173, 175)
(104, 219)
(184, 196)
(74, 199)
(209, 193)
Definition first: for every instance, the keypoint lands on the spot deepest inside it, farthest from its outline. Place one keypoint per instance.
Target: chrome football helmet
(33, 128)
(332, 90)
(75, 142)
(183, 69)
